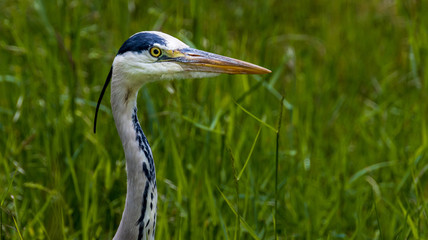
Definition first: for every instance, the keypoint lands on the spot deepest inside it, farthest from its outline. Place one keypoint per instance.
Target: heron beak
(200, 61)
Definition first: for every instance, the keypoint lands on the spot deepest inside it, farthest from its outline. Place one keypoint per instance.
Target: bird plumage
(146, 57)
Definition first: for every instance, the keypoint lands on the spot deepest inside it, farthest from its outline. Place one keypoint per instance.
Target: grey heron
(147, 57)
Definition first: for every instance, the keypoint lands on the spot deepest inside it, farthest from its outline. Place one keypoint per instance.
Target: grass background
(352, 156)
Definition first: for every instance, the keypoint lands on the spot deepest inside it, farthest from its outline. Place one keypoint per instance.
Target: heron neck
(139, 217)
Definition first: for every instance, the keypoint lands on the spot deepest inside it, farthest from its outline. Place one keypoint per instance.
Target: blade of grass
(369, 169)
(409, 220)
(275, 93)
(256, 118)
(179, 171)
(249, 155)
(216, 118)
(214, 209)
(17, 228)
(238, 226)
(276, 169)
(203, 127)
(244, 223)
(14, 219)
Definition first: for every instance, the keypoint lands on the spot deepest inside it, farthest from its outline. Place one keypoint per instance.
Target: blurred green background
(352, 155)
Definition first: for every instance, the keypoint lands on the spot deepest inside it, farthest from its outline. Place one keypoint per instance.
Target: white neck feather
(139, 217)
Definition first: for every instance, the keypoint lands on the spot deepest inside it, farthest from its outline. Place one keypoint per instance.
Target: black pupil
(155, 51)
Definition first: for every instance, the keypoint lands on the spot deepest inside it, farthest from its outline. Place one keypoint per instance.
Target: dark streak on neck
(140, 221)
(149, 173)
(144, 146)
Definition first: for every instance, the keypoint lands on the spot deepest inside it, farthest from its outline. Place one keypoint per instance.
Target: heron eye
(155, 51)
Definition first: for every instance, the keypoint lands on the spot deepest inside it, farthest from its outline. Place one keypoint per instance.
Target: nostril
(193, 55)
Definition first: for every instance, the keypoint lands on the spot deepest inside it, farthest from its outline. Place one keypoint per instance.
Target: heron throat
(139, 217)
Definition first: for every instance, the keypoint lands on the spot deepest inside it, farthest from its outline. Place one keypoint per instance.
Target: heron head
(152, 56)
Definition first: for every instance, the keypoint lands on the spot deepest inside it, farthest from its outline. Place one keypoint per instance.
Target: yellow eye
(155, 51)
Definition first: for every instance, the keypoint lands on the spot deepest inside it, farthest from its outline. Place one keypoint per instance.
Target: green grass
(352, 155)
